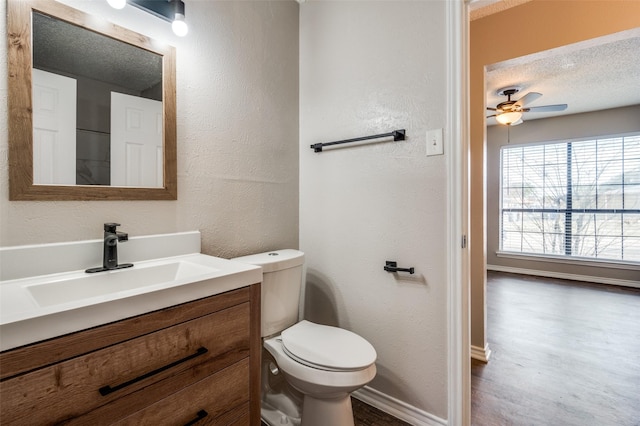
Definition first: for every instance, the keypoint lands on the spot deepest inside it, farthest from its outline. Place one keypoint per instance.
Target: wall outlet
(434, 142)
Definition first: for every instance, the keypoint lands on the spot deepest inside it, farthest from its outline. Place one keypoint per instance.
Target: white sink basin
(45, 306)
(80, 286)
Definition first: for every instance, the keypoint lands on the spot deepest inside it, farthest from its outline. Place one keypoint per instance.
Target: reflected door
(136, 141)
(54, 129)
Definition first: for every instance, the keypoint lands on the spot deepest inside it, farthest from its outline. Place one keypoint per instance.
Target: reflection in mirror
(106, 127)
(91, 108)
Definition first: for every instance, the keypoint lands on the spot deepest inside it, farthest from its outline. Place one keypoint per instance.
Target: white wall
(593, 124)
(237, 102)
(370, 67)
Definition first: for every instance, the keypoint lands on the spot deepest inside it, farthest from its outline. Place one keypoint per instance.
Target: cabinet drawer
(162, 362)
(206, 402)
(40, 354)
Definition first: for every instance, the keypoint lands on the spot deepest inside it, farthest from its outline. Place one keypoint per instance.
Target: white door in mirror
(54, 129)
(136, 141)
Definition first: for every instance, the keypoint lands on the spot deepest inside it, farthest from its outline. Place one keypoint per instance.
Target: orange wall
(532, 27)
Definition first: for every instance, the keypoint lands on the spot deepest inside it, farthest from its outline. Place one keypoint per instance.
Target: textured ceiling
(71, 50)
(589, 76)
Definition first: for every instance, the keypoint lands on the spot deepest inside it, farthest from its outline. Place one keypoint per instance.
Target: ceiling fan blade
(526, 99)
(546, 108)
(489, 116)
(492, 109)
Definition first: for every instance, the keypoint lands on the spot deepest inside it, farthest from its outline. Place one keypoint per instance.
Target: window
(578, 199)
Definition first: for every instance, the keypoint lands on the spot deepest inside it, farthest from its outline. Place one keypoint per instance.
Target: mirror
(92, 108)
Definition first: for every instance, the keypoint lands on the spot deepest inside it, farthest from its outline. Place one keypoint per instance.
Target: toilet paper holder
(392, 266)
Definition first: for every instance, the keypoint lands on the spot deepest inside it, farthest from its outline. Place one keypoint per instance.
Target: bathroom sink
(79, 286)
(51, 302)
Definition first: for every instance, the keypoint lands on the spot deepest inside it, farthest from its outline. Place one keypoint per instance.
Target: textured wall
(593, 124)
(237, 100)
(370, 67)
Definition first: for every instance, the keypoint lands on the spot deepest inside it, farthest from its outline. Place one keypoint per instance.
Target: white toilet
(325, 364)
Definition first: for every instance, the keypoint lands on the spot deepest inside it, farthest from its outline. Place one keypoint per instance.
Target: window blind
(579, 198)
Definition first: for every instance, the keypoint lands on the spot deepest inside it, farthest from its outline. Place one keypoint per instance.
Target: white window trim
(571, 260)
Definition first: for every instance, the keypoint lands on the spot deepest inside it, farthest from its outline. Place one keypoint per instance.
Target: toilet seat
(327, 348)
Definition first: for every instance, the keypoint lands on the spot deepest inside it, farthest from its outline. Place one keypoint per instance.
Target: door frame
(457, 129)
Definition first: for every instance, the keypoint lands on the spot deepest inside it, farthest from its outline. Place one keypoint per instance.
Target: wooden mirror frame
(19, 34)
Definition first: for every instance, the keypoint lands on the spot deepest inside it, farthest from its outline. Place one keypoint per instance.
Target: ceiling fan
(510, 112)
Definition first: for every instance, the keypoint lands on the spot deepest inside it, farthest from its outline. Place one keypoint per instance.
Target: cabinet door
(161, 362)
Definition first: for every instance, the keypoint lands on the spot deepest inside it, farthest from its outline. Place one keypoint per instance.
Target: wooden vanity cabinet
(197, 363)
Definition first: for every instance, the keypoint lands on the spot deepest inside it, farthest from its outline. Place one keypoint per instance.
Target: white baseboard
(564, 276)
(397, 408)
(481, 354)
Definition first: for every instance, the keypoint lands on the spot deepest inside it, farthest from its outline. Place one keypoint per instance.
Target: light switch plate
(434, 142)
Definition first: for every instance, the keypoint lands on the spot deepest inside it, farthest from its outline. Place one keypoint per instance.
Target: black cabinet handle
(199, 416)
(106, 390)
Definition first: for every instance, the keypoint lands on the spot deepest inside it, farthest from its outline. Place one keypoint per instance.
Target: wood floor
(366, 415)
(563, 353)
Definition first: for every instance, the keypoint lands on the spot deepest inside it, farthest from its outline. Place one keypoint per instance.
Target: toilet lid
(326, 347)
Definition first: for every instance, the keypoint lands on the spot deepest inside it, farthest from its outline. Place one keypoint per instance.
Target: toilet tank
(281, 282)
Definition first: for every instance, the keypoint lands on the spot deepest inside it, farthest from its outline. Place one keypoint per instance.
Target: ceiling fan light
(509, 118)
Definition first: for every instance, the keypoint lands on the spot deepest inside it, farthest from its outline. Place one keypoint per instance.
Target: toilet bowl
(323, 363)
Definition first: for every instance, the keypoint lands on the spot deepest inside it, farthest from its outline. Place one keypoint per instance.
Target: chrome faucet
(110, 249)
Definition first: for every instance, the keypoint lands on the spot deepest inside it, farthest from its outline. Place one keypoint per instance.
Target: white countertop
(23, 320)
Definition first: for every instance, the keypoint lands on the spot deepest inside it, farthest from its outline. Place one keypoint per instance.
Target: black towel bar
(398, 135)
